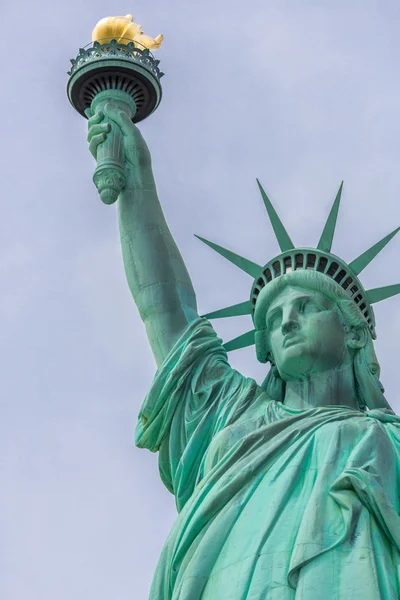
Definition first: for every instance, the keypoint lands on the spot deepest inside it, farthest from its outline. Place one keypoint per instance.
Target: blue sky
(298, 94)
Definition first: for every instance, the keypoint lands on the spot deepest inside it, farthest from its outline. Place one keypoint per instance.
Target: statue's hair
(365, 362)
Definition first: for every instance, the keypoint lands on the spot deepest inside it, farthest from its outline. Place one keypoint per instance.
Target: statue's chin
(297, 363)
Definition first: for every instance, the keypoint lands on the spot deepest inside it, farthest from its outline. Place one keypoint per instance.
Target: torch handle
(109, 176)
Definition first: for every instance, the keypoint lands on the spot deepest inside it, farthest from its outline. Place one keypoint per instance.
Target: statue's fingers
(97, 129)
(95, 119)
(119, 117)
(95, 142)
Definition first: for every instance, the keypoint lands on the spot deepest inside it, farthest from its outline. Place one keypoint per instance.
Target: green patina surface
(287, 489)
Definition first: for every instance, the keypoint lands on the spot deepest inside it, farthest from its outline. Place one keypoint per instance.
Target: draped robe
(273, 503)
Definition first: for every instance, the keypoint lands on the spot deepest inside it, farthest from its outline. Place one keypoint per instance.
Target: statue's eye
(309, 306)
(274, 321)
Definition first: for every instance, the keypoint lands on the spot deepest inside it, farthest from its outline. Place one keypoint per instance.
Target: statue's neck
(330, 388)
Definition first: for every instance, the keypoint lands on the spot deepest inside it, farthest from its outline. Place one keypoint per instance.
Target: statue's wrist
(139, 177)
(135, 189)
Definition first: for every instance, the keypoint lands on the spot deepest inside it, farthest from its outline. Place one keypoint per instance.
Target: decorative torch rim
(129, 52)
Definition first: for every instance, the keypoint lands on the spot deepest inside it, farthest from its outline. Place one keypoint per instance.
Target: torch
(116, 69)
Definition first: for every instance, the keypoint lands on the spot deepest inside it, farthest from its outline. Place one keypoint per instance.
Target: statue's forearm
(156, 273)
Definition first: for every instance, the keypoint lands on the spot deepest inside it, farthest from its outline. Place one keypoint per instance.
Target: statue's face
(305, 334)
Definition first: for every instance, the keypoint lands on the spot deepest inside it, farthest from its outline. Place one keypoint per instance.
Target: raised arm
(156, 273)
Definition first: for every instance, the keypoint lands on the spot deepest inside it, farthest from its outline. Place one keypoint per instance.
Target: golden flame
(124, 30)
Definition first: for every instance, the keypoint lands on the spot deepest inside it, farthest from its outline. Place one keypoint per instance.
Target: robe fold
(273, 503)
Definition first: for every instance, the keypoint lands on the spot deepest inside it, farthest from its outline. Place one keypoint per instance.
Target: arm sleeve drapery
(195, 394)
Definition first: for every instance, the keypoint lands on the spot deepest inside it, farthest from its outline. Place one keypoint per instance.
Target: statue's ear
(356, 337)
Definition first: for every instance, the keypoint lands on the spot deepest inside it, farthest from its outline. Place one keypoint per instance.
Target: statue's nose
(289, 325)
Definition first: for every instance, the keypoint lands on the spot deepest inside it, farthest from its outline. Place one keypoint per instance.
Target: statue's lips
(293, 339)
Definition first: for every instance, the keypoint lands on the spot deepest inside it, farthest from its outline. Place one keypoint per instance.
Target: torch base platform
(119, 67)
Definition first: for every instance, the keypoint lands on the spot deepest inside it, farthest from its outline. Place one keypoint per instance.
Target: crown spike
(358, 264)
(242, 341)
(236, 310)
(247, 266)
(378, 294)
(325, 242)
(284, 241)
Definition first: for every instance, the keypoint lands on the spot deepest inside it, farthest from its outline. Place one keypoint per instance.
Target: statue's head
(310, 310)
(307, 324)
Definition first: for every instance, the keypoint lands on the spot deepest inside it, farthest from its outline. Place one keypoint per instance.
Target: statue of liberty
(285, 490)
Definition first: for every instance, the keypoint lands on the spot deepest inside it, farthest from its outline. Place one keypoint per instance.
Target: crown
(319, 259)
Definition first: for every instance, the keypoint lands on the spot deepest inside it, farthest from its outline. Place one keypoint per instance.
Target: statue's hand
(136, 153)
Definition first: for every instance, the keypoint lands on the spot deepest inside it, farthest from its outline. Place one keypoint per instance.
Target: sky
(298, 94)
